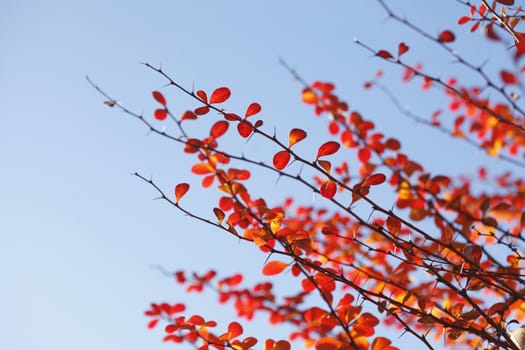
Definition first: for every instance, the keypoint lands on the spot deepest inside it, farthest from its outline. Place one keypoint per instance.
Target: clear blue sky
(77, 232)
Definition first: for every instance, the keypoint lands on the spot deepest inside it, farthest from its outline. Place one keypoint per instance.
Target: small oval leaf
(180, 191)
(220, 95)
(281, 159)
(327, 149)
(252, 109)
(274, 267)
(296, 135)
(159, 97)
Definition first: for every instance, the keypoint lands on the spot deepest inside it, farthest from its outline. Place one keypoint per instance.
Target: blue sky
(77, 232)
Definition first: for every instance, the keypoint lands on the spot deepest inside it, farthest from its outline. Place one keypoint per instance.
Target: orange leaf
(160, 114)
(327, 149)
(281, 159)
(309, 97)
(402, 48)
(252, 109)
(328, 343)
(180, 191)
(219, 128)
(328, 189)
(446, 36)
(274, 267)
(384, 54)
(296, 135)
(374, 179)
(220, 95)
(159, 97)
(380, 343)
(202, 169)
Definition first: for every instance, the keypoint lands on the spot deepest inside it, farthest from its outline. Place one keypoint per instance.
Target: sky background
(78, 234)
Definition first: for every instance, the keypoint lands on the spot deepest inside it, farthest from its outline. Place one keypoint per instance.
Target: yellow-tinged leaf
(180, 191)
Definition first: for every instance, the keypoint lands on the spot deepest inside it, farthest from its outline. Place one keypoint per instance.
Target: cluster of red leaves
(445, 259)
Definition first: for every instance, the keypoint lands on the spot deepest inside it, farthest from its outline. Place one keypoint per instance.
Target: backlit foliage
(444, 264)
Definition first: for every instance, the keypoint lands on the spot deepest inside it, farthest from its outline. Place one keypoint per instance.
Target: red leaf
(374, 179)
(153, 323)
(296, 135)
(464, 20)
(393, 225)
(188, 115)
(219, 128)
(446, 36)
(281, 159)
(180, 191)
(202, 110)
(219, 214)
(328, 189)
(202, 95)
(327, 149)
(160, 114)
(234, 330)
(384, 54)
(159, 97)
(508, 77)
(506, 2)
(220, 95)
(274, 267)
(364, 155)
(244, 128)
(252, 109)
(402, 48)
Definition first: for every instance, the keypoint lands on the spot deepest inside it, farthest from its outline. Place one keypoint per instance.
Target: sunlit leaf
(202, 95)
(327, 148)
(220, 95)
(296, 135)
(309, 97)
(328, 189)
(180, 191)
(374, 179)
(281, 159)
(244, 128)
(188, 115)
(219, 128)
(274, 267)
(252, 109)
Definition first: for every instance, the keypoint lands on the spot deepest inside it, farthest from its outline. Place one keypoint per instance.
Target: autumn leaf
(296, 135)
(220, 95)
(327, 148)
(446, 36)
(508, 77)
(252, 109)
(159, 97)
(384, 54)
(160, 114)
(281, 159)
(402, 49)
(374, 179)
(180, 191)
(219, 128)
(328, 189)
(274, 268)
